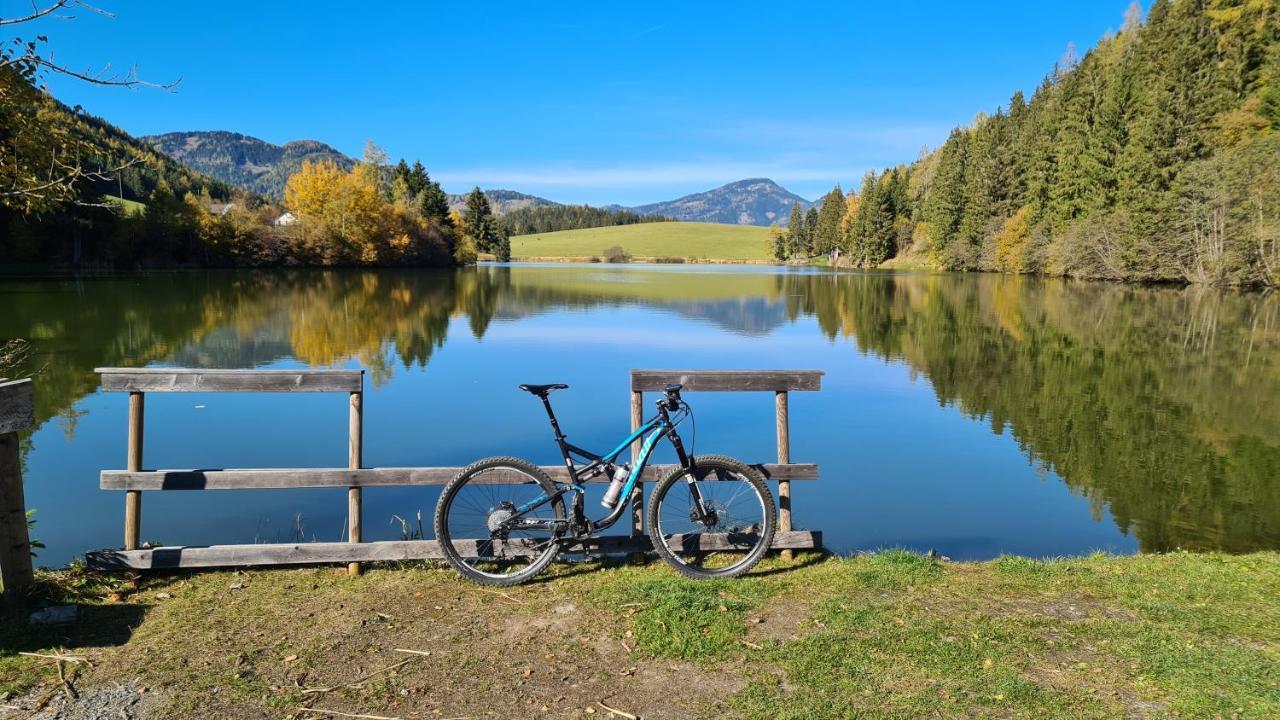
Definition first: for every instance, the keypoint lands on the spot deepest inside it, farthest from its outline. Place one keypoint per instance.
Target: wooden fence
(17, 413)
(134, 480)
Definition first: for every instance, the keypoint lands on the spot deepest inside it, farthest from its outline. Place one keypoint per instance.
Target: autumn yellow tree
(342, 216)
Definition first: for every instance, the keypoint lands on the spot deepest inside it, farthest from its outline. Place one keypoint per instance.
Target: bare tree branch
(70, 174)
(37, 13)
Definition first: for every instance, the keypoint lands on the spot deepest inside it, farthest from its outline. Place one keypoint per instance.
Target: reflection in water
(1159, 404)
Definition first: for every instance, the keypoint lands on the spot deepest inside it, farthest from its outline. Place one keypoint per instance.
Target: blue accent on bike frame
(641, 461)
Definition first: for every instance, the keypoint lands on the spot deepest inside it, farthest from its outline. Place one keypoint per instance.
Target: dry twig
(617, 712)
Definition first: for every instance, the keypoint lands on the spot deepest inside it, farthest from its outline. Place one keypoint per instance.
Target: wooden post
(355, 458)
(784, 457)
(17, 413)
(637, 504)
(15, 546)
(133, 498)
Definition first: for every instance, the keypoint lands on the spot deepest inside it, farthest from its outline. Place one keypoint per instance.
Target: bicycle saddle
(543, 390)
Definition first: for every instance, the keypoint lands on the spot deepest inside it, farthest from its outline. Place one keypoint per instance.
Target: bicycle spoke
(730, 531)
(479, 518)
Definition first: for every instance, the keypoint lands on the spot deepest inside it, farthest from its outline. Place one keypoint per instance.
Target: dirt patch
(522, 652)
(1086, 671)
(781, 621)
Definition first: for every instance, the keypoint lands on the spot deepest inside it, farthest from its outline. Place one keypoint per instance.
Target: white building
(286, 219)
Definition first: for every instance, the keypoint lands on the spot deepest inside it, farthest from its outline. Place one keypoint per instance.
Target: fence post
(784, 457)
(133, 463)
(355, 458)
(637, 504)
(17, 412)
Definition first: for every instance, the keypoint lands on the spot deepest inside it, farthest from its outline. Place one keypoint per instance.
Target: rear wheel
(477, 515)
(736, 529)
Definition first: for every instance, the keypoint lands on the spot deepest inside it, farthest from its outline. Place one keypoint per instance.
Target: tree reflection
(1161, 404)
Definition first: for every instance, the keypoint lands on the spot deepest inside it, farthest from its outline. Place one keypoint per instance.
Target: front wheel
(723, 535)
(482, 529)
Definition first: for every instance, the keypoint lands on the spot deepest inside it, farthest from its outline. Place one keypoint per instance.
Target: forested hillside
(1155, 157)
(246, 162)
(554, 218)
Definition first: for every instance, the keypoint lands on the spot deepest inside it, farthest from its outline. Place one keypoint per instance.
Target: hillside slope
(710, 241)
(246, 162)
(1154, 158)
(502, 201)
(754, 201)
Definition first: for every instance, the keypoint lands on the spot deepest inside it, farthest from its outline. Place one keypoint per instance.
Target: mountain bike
(502, 520)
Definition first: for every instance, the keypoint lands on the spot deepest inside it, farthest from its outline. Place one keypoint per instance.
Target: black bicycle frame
(657, 427)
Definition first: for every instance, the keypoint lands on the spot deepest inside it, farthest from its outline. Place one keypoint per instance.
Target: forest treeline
(1155, 157)
(553, 218)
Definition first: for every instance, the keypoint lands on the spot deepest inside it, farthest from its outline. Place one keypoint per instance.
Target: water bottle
(620, 475)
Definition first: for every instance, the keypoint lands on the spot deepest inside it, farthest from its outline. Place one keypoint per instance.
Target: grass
(886, 635)
(128, 208)
(705, 241)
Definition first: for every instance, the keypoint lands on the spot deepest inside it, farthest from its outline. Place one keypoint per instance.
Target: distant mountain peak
(750, 201)
(243, 160)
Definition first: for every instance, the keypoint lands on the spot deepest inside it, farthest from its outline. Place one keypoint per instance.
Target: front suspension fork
(700, 513)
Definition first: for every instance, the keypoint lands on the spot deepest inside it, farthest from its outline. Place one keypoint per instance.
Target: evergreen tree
(434, 202)
(483, 229)
(810, 232)
(797, 239)
(944, 207)
(827, 232)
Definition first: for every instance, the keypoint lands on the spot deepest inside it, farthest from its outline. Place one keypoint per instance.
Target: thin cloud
(653, 29)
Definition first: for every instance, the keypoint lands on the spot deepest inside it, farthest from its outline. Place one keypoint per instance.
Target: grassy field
(887, 635)
(706, 241)
(127, 207)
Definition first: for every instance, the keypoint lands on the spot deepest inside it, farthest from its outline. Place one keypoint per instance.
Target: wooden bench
(134, 480)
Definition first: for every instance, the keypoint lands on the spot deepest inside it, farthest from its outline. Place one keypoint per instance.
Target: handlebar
(672, 401)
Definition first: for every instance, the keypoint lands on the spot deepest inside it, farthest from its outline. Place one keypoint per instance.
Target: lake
(971, 414)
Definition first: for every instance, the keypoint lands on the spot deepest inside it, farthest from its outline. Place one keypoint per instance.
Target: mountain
(244, 161)
(754, 201)
(502, 201)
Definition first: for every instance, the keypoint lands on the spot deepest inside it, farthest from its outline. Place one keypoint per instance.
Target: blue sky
(592, 102)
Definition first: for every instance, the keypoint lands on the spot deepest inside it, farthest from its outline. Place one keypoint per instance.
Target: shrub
(615, 254)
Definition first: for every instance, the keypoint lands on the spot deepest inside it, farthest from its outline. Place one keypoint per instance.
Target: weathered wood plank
(280, 478)
(727, 380)
(341, 552)
(15, 545)
(214, 380)
(17, 406)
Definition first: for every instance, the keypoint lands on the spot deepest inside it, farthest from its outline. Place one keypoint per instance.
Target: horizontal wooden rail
(220, 381)
(383, 551)
(367, 477)
(17, 406)
(727, 380)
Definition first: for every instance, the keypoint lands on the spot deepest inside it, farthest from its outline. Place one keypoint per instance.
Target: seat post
(546, 402)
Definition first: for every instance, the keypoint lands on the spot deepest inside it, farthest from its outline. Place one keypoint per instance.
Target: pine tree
(434, 202)
(944, 207)
(483, 229)
(810, 232)
(797, 241)
(827, 233)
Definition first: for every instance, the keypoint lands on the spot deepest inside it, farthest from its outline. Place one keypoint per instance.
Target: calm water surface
(973, 414)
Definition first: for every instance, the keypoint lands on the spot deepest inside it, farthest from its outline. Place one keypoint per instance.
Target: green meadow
(687, 240)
